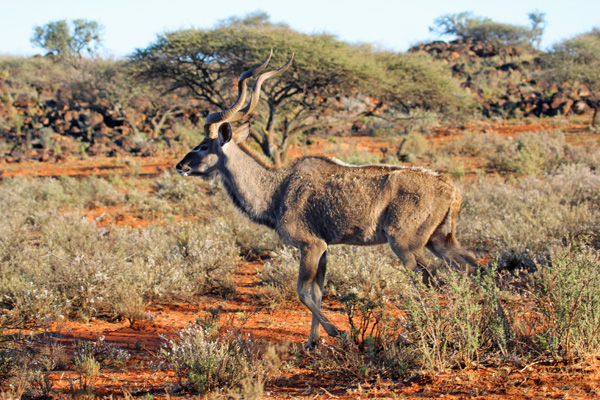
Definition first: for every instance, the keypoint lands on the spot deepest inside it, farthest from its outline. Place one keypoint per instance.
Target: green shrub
(413, 145)
(368, 351)
(371, 326)
(530, 154)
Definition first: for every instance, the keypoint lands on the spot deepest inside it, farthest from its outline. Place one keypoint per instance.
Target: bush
(450, 326)
(530, 154)
(206, 362)
(567, 294)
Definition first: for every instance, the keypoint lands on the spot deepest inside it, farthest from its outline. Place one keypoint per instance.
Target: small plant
(344, 361)
(132, 307)
(90, 356)
(530, 154)
(458, 171)
(100, 351)
(205, 361)
(369, 323)
(449, 326)
(88, 368)
(369, 351)
(413, 145)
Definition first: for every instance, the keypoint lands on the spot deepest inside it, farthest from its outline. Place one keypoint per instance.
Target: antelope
(316, 202)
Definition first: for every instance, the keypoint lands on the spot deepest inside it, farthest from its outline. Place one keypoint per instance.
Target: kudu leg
(317, 296)
(311, 278)
(412, 257)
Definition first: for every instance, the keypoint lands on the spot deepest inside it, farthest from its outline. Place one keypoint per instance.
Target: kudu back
(317, 201)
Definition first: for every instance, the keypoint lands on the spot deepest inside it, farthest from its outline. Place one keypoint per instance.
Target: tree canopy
(325, 71)
(62, 38)
(465, 25)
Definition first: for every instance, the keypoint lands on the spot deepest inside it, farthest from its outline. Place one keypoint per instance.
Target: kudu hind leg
(412, 258)
(310, 287)
(452, 254)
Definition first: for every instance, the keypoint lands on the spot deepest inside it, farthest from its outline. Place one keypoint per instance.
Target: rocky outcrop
(505, 79)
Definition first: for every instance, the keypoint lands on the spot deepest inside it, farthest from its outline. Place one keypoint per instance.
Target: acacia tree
(577, 61)
(465, 25)
(310, 96)
(68, 39)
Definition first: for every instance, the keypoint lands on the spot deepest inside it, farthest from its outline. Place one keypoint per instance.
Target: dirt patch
(92, 166)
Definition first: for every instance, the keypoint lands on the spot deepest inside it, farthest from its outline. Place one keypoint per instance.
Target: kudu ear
(225, 133)
(241, 133)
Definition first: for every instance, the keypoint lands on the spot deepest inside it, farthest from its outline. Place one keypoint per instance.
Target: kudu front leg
(311, 279)
(317, 296)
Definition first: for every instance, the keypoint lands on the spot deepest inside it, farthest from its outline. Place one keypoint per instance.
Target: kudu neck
(251, 185)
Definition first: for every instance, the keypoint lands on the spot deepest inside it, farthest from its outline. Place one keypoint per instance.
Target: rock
(67, 144)
(580, 107)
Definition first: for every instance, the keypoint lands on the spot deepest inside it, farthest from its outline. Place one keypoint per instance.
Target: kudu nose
(183, 169)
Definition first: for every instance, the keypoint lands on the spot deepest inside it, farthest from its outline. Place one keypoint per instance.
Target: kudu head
(203, 159)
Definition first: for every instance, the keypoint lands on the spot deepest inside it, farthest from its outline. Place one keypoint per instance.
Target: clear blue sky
(394, 25)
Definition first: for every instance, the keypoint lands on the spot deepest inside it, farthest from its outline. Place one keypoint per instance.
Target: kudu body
(316, 202)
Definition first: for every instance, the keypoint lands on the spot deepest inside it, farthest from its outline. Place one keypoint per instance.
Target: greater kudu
(316, 201)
